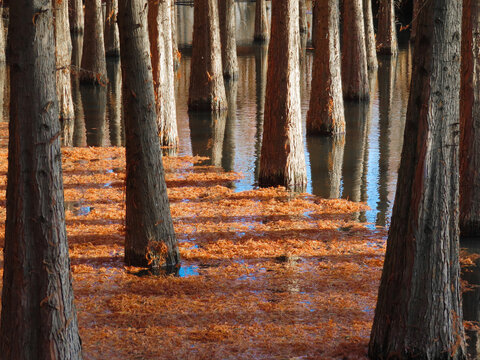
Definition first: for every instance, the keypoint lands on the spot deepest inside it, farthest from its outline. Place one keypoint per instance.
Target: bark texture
(94, 68)
(419, 312)
(175, 52)
(76, 17)
(470, 121)
(160, 34)
(38, 318)
(3, 45)
(354, 54)
(413, 32)
(63, 44)
(261, 33)
(370, 42)
(112, 37)
(387, 33)
(282, 160)
(226, 10)
(325, 114)
(150, 237)
(207, 90)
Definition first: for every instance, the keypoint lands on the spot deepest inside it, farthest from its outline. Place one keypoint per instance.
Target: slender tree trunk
(370, 42)
(387, 33)
(150, 237)
(94, 68)
(261, 51)
(75, 13)
(470, 121)
(207, 90)
(354, 54)
(282, 160)
(261, 22)
(159, 27)
(419, 310)
(3, 45)
(175, 52)
(325, 114)
(416, 6)
(303, 16)
(226, 10)
(228, 156)
(38, 318)
(315, 15)
(112, 38)
(63, 45)
(114, 102)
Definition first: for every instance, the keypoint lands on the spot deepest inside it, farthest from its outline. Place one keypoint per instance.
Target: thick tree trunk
(354, 54)
(282, 160)
(160, 34)
(325, 114)
(302, 8)
(150, 237)
(207, 90)
(63, 45)
(112, 38)
(419, 312)
(226, 11)
(38, 319)
(75, 14)
(370, 42)
(94, 68)
(261, 33)
(114, 102)
(387, 33)
(470, 121)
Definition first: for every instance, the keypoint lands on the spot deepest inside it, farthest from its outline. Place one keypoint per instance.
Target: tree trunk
(302, 8)
(354, 54)
(75, 13)
(112, 38)
(160, 34)
(63, 45)
(94, 68)
(261, 63)
(226, 11)
(207, 90)
(175, 52)
(419, 311)
(3, 45)
(416, 6)
(150, 237)
(325, 114)
(315, 15)
(261, 21)
(282, 160)
(228, 156)
(387, 33)
(38, 318)
(114, 103)
(470, 121)
(370, 43)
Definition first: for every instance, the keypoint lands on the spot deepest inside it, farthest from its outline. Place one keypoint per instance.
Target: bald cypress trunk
(112, 38)
(387, 33)
(159, 28)
(75, 14)
(282, 160)
(419, 310)
(227, 35)
(207, 90)
(325, 114)
(94, 68)
(63, 44)
(370, 42)
(354, 54)
(3, 44)
(38, 318)
(470, 121)
(302, 8)
(261, 33)
(175, 53)
(150, 237)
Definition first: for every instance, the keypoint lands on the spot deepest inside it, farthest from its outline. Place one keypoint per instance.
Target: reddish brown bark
(282, 160)
(470, 121)
(387, 33)
(419, 310)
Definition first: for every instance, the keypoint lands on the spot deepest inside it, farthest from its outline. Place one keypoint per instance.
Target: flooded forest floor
(264, 274)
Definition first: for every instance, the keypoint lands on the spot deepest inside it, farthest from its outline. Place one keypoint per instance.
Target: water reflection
(94, 103)
(228, 156)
